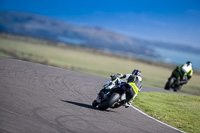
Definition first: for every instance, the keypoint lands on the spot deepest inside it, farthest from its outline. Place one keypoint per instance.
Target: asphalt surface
(35, 98)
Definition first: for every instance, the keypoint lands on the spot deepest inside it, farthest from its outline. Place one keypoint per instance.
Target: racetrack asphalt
(35, 98)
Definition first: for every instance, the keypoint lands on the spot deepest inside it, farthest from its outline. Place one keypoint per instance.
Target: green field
(181, 111)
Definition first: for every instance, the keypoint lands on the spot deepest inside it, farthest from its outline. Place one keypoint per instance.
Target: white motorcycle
(112, 94)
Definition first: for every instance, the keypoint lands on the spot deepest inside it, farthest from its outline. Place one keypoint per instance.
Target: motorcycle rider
(183, 73)
(132, 86)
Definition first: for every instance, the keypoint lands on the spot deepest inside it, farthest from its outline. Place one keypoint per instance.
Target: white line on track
(156, 119)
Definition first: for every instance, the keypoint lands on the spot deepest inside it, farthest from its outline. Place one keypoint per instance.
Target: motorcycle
(111, 95)
(174, 80)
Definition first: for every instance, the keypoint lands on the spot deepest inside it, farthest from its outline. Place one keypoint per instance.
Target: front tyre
(169, 83)
(95, 103)
(109, 102)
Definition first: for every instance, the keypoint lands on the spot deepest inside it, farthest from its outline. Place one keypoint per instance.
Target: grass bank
(180, 111)
(89, 61)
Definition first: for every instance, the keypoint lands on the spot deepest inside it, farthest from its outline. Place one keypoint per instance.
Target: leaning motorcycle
(111, 95)
(173, 80)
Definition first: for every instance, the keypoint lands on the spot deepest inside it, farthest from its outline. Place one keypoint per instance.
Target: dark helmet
(188, 63)
(137, 72)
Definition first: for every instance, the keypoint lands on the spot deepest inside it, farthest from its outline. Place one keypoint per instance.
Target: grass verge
(180, 111)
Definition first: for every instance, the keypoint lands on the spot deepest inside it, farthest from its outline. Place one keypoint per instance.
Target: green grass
(180, 111)
(2, 54)
(91, 61)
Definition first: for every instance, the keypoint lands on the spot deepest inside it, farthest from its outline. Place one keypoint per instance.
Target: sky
(158, 20)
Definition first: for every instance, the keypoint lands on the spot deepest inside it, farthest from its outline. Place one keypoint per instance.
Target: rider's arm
(189, 75)
(126, 76)
(123, 76)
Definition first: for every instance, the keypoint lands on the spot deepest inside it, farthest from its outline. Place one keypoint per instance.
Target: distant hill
(48, 28)
(95, 37)
(168, 45)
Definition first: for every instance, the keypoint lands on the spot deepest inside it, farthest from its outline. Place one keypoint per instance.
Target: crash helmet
(188, 63)
(186, 67)
(136, 72)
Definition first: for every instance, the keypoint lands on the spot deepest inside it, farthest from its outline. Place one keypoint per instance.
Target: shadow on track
(85, 105)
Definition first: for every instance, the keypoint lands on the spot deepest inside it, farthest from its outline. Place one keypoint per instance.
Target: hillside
(94, 37)
(48, 28)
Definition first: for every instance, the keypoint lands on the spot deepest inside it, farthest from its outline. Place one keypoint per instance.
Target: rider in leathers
(132, 86)
(183, 73)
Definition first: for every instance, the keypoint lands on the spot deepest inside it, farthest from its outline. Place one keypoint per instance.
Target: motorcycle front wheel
(95, 103)
(169, 83)
(109, 101)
